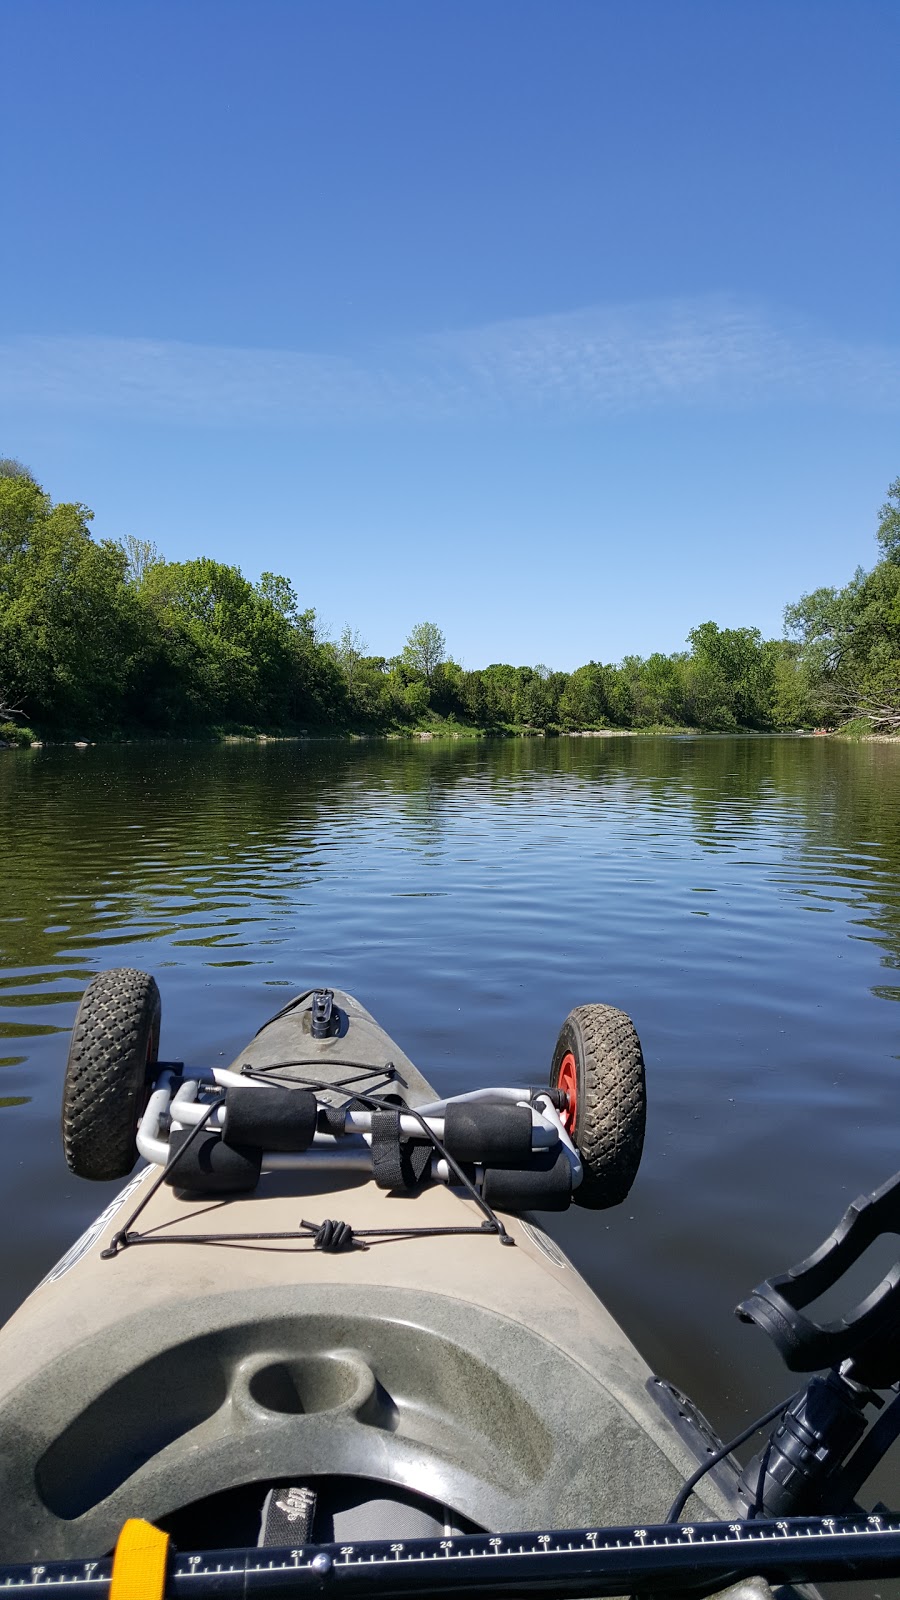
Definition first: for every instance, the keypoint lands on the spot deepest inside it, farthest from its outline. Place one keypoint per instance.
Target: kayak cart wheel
(599, 1065)
(115, 1043)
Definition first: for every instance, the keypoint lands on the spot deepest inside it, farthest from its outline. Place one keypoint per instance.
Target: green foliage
(425, 649)
(888, 530)
(856, 728)
(793, 697)
(16, 733)
(204, 615)
(351, 655)
(10, 468)
(105, 637)
(226, 652)
(650, 691)
(140, 556)
(734, 677)
(68, 622)
(584, 702)
(280, 594)
(849, 639)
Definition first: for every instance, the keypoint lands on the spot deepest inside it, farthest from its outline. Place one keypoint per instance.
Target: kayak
(324, 1310)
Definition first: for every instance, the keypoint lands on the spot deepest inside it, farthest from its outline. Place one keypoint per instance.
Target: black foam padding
(269, 1116)
(495, 1135)
(210, 1166)
(546, 1185)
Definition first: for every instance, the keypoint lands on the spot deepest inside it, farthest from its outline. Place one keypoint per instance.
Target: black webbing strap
(287, 1517)
(332, 1119)
(396, 1163)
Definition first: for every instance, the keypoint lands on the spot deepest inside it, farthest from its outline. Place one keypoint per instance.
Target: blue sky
(565, 325)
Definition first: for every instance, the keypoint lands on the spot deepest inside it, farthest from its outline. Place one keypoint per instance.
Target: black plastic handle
(867, 1334)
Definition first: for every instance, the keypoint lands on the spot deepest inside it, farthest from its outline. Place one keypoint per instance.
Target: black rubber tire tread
(115, 1041)
(612, 1101)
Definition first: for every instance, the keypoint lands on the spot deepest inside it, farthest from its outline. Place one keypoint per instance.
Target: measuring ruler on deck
(578, 1562)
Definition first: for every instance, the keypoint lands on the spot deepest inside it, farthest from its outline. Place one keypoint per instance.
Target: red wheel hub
(567, 1081)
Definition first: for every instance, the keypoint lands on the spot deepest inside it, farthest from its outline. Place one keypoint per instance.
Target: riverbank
(434, 728)
(426, 729)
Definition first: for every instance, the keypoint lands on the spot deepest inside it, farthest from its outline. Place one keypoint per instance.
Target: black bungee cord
(332, 1236)
(121, 1239)
(377, 1103)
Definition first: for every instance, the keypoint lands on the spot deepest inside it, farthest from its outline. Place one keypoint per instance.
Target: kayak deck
(488, 1379)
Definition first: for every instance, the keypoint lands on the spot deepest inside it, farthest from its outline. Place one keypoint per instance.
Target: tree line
(107, 637)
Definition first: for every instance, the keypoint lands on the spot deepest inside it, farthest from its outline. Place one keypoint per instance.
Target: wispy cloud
(602, 361)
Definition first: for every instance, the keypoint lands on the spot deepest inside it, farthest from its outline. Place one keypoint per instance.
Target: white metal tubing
(187, 1110)
(550, 1114)
(186, 1107)
(225, 1078)
(235, 1080)
(437, 1108)
(542, 1136)
(150, 1145)
(410, 1127)
(352, 1154)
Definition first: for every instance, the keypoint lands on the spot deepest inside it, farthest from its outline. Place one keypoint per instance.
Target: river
(739, 897)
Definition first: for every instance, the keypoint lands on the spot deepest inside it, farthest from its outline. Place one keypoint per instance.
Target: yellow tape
(139, 1564)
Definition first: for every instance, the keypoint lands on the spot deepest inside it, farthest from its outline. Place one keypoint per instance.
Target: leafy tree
(414, 699)
(371, 693)
(500, 682)
(619, 693)
(140, 556)
(849, 639)
(104, 635)
(68, 624)
(228, 650)
(888, 531)
(583, 703)
(280, 594)
(793, 700)
(446, 689)
(351, 652)
(733, 677)
(533, 704)
(850, 646)
(654, 688)
(708, 701)
(474, 701)
(425, 649)
(318, 691)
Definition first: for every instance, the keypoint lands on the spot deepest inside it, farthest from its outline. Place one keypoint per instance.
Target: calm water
(739, 897)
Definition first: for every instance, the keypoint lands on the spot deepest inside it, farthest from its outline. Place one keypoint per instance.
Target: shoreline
(447, 734)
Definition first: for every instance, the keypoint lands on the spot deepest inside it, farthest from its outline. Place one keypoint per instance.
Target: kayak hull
(488, 1381)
